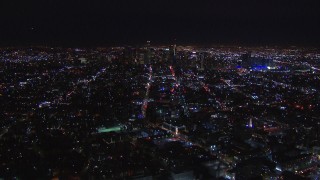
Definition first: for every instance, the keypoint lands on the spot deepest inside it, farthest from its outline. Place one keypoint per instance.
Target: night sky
(92, 23)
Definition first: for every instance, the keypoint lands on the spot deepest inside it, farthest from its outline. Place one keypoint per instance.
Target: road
(146, 97)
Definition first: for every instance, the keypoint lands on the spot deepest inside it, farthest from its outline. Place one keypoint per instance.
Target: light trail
(146, 98)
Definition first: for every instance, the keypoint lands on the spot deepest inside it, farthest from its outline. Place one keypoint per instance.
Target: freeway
(146, 97)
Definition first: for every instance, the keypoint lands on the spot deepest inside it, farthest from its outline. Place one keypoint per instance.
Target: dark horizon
(82, 23)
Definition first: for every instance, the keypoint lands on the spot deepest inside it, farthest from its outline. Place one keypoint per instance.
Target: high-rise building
(201, 59)
(128, 54)
(246, 57)
(172, 52)
(147, 55)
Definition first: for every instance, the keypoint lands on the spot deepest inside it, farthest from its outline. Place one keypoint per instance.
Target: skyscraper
(172, 51)
(147, 55)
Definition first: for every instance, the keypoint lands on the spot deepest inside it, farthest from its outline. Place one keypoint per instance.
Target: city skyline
(160, 112)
